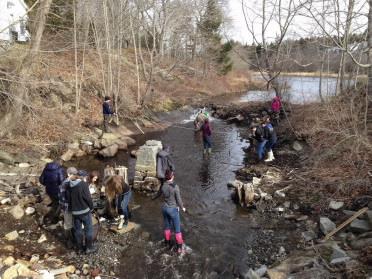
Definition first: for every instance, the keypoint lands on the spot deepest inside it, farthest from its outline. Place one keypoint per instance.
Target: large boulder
(6, 158)
(122, 144)
(146, 157)
(109, 151)
(68, 155)
(129, 140)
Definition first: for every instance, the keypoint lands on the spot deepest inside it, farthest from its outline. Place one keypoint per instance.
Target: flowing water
(222, 239)
(300, 90)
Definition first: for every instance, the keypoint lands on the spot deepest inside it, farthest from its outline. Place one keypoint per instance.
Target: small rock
(250, 252)
(297, 146)
(133, 153)
(296, 207)
(261, 271)
(9, 261)
(80, 153)
(308, 235)
(34, 259)
(279, 194)
(6, 158)
(360, 226)
(348, 212)
(77, 272)
(11, 236)
(6, 201)
(85, 269)
(19, 270)
(279, 209)
(338, 255)
(335, 205)
(17, 212)
(42, 239)
(302, 218)
(282, 250)
(251, 275)
(21, 231)
(24, 165)
(326, 225)
(287, 204)
(30, 210)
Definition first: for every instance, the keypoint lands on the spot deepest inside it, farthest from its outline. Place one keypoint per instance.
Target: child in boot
(171, 210)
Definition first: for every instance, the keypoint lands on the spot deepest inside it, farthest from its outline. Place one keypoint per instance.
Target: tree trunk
(369, 87)
(20, 90)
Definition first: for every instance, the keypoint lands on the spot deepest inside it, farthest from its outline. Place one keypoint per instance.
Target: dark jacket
(106, 108)
(270, 133)
(172, 196)
(163, 163)
(259, 134)
(206, 129)
(78, 197)
(52, 176)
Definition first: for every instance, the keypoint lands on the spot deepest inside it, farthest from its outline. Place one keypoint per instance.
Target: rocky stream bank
(280, 191)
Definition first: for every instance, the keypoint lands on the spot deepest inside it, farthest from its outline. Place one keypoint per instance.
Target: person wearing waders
(270, 135)
(207, 137)
(171, 211)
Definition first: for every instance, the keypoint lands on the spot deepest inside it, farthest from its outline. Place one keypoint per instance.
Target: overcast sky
(302, 26)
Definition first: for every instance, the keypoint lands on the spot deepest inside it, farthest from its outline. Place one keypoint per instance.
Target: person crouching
(81, 205)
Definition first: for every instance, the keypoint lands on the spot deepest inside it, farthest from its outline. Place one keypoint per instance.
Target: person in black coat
(52, 177)
(107, 113)
(81, 205)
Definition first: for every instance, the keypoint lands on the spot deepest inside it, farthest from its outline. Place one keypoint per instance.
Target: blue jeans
(171, 217)
(270, 145)
(125, 199)
(207, 142)
(261, 149)
(86, 220)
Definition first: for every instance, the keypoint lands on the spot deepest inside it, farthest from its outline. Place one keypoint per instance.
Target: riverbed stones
(297, 146)
(360, 226)
(326, 225)
(11, 236)
(19, 270)
(6, 158)
(17, 212)
(109, 151)
(9, 261)
(336, 205)
(338, 255)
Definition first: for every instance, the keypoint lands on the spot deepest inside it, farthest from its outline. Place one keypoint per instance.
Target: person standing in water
(207, 137)
(171, 211)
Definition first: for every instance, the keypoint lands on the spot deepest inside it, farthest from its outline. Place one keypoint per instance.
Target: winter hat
(72, 170)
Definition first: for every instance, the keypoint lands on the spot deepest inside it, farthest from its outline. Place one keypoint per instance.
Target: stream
(222, 239)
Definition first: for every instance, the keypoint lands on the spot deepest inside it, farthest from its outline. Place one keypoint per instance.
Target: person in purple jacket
(207, 137)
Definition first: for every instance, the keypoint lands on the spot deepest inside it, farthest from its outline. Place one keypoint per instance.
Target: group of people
(73, 194)
(265, 134)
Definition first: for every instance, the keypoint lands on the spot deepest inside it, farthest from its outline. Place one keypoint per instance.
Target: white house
(13, 20)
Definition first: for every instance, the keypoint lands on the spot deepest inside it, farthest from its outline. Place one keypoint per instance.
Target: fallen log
(18, 174)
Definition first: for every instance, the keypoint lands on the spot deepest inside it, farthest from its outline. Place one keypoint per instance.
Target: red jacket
(276, 104)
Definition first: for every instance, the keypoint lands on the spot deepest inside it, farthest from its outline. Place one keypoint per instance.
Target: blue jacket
(52, 176)
(106, 108)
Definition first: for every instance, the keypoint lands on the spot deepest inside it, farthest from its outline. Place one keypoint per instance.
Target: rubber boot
(90, 247)
(121, 222)
(167, 236)
(270, 156)
(179, 240)
(209, 150)
(69, 238)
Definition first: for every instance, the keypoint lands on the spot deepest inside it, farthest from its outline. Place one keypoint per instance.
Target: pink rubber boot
(179, 241)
